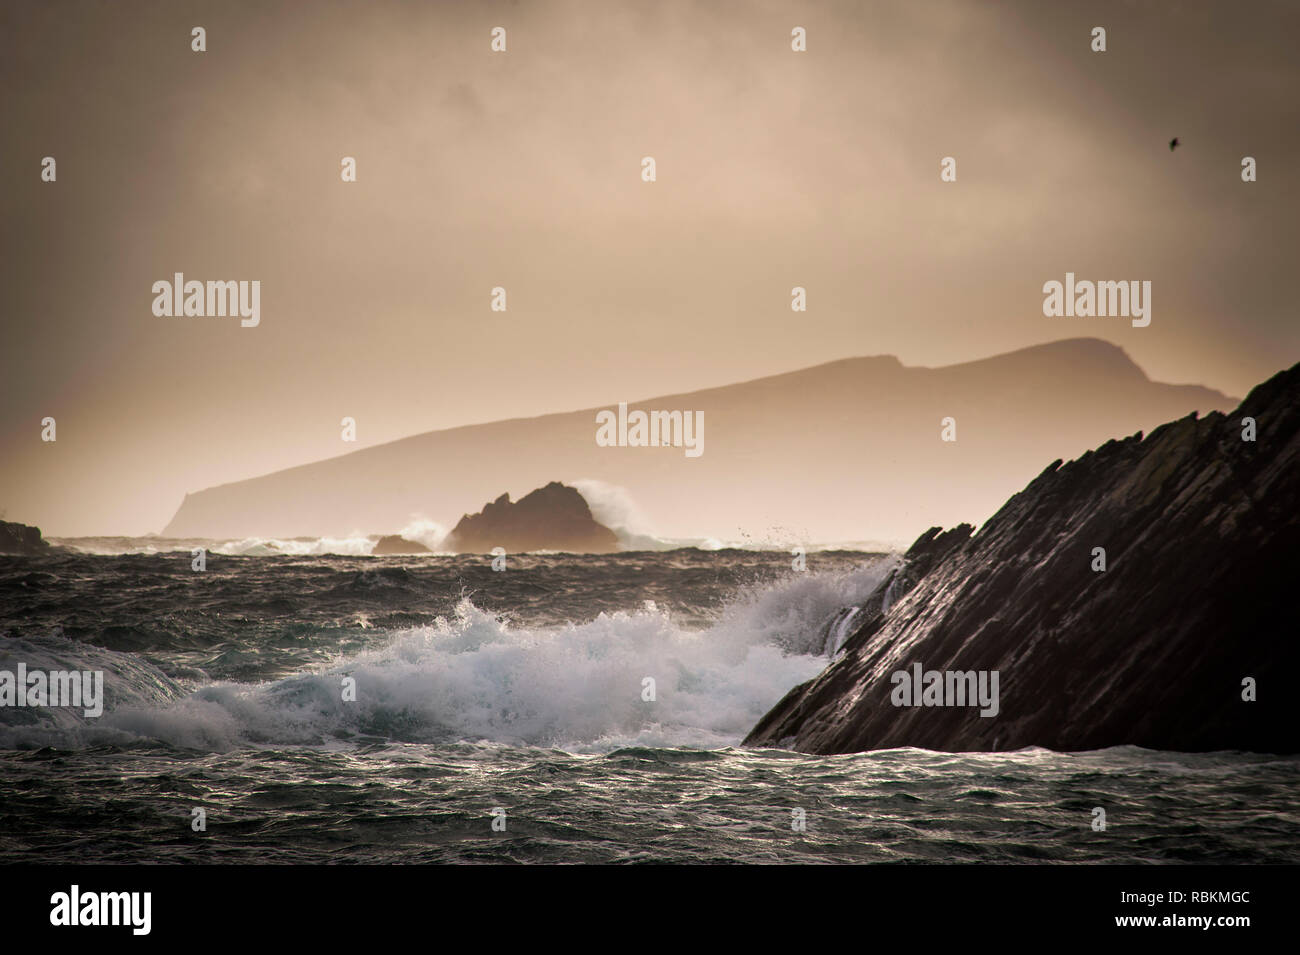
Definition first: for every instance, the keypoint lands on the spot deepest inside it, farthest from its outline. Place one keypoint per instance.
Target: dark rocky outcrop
(1201, 531)
(21, 540)
(396, 544)
(554, 517)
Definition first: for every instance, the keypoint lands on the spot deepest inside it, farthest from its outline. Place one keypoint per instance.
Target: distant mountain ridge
(846, 450)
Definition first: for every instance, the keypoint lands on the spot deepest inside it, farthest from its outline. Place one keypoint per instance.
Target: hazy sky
(522, 170)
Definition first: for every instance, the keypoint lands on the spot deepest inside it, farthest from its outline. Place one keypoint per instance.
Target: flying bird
(1173, 144)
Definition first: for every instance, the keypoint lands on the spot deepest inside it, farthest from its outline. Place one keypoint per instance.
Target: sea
(287, 703)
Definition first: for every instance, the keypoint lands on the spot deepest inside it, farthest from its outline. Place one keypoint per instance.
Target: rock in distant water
(554, 517)
(396, 544)
(1201, 531)
(21, 539)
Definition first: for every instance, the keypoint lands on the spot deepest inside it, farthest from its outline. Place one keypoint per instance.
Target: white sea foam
(614, 506)
(476, 678)
(430, 534)
(296, 547)
(424, 531)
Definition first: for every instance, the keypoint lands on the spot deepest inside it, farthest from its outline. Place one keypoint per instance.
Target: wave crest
(580, 687)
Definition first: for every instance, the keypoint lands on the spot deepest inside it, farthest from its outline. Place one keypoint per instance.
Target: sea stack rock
(554, 517)
(21, 540)
(396, 544)
(1186, 640)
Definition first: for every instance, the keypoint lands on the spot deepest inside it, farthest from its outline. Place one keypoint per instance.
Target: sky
(522, 170)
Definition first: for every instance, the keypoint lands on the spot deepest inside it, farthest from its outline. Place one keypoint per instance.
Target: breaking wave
(474, 677)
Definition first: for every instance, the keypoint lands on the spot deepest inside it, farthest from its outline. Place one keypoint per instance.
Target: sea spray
(474, 676)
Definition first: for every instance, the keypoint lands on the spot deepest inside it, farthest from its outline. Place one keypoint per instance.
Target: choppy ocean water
(522, 692)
